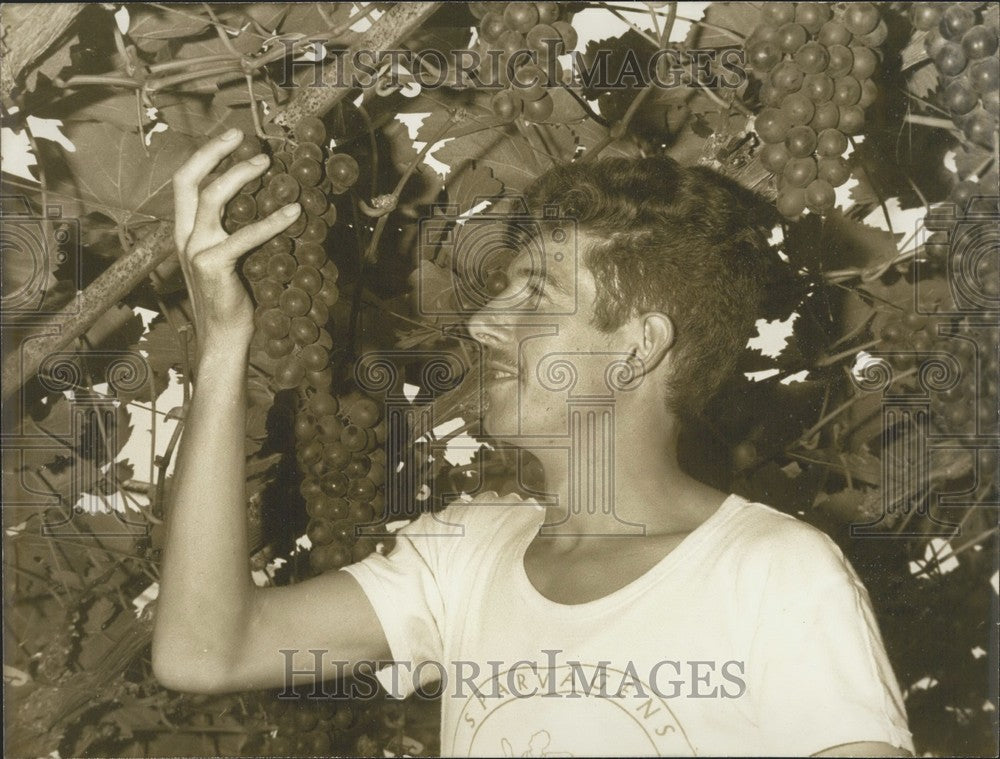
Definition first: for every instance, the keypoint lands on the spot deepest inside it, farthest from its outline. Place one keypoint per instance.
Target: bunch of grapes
(816, 61)
(962, 42)
(293, 282)
(313, 727)
(507, 28)
(963, 408)
(343, 464)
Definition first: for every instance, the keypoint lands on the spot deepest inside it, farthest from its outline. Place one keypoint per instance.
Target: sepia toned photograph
(500, 379)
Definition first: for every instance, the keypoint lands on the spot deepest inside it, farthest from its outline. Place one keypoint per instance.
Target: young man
(641, 612)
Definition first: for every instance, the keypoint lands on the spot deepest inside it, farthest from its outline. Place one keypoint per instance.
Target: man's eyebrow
(532, 273)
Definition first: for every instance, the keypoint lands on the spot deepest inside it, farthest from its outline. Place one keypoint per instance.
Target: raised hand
(223, 311)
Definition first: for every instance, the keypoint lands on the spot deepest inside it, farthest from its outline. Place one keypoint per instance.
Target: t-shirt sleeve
(404, 588)
(818, 673)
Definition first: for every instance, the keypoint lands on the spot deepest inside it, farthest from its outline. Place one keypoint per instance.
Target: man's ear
(654, 340)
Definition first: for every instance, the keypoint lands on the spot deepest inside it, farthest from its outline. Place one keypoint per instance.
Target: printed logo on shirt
(576, 709)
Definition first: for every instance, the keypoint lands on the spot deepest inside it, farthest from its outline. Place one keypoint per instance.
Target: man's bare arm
(215, 630)
(864, 748)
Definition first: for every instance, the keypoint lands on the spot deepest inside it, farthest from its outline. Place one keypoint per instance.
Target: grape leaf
(502, 150)
(149, 26)
(735, 21)
(470, 183)
(923, 80)
(110, 106)
(110, 173)
(268, 15)
(201, 116)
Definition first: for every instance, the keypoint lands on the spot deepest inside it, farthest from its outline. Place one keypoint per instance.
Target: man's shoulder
(759, 534)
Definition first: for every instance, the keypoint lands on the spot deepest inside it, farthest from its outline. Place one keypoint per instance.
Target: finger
(249, 237)
(214, 197)
(190, 175)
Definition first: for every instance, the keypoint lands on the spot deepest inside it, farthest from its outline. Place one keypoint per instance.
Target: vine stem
(931, 121)
(616, 131)
(828, 360)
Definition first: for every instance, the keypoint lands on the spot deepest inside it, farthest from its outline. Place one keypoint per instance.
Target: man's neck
(624, 483)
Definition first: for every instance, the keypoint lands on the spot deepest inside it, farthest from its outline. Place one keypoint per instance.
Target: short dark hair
(684, 241)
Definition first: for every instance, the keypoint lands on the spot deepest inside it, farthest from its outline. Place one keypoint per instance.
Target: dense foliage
(877, 420)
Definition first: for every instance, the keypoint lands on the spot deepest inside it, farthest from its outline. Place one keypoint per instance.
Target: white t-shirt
(753, 636)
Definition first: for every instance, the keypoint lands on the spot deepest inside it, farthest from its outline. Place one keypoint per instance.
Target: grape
(342, 169)
(247, 149)
(308, 279)
(335, 485)
(818, 87)
(812, 58)
(281, 267)
(267, 291)
(323, 404)
(956, 21)
(296, 228)
(320, 531)
(820, 196)
(242, 208)
(315, 231)
(305, 428)
(834, 33)
(812, 16)
(985, 75)
(362, 489)
(827, 116)
(336, 452)
(791, 202)
(309, 150)
(529, 82)
(875, 37)
(979, 42)
(547, 12)
(831, 142)
(319, 312)
(926, 15)
(980, 129)
(798, 108)
(305, 172)
(329, 216)
(505, 105)
(799, 172)
(933, 42)
(255, 267)
(520, 16)
(365, 413)
(329, 429)
(841, 61)
(772, 125)
(289, 373)
(950, 59)
(852, 120)
(279, 347)
(544, 38)
(764, 33)
(252, 186)
(310, 254)
(266, 203)
(869, 93)
(865, 63)
(355, 438)
(860, 18)
(304, 330)
(846, 91)
(313, 201)
(770, 96)
(786, 76)
(328, 294)
(763, 55)
(834, 170)
(274, 323)
(800, 141)
(277, 245)
(310, 129)
(791, 37)
(295, 302)
(358, 466)
(284, 188)
(492, 27)
(315, 357)
(774, 157)
(567, 33)
(539, 110)
(777, 14)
